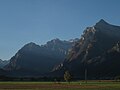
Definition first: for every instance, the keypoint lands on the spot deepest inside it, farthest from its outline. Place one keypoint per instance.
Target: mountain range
(35, 60)
(97, 52)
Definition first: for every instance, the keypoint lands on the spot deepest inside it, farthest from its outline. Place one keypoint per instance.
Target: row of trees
(67, 78)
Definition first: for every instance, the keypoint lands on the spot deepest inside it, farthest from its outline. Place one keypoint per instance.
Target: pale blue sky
(24, 21)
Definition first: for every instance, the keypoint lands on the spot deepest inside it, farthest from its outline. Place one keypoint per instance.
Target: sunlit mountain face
(97, 51)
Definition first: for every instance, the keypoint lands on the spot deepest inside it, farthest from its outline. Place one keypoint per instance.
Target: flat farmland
(91, 85)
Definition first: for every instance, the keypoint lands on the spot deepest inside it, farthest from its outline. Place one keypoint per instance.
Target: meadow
(80, 85)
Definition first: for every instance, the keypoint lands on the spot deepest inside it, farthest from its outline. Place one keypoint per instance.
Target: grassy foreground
(91, 85)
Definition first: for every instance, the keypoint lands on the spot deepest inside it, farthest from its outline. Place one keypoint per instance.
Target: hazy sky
(23, 21)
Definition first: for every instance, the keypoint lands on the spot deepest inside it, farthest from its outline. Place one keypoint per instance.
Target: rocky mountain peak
(56, 40)
(74, 40)
(30, 46)
(53, 42)
(102, 22)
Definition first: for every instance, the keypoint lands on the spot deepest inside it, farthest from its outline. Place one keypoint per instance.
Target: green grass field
(91, 85)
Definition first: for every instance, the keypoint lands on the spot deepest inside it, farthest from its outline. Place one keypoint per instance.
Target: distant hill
(98, 51)
(3, 63)
(35, 60)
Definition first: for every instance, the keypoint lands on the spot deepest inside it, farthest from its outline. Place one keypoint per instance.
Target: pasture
(91, 85)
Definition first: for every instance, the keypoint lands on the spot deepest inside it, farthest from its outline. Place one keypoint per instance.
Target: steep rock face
(106, 64)
(91, 52)
(33, 59)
